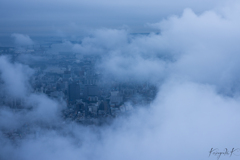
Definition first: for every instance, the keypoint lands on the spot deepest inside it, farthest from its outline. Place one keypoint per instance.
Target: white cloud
(15, 77)
(22, 40)
(16, 87)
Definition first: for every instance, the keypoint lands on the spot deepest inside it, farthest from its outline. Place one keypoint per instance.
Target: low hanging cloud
(15, 87)
(206, 46)
(191, 46)
(65, 46)
(175, 125)
(15, 77)
(22, 40)
(101, 41)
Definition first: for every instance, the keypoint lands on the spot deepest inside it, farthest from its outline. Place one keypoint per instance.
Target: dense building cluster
(71, 78)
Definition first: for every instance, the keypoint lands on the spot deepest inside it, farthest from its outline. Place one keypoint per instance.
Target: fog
(192, 57)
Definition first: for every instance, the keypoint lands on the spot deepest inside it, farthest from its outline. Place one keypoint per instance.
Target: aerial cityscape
(119, 80)
(74, 80)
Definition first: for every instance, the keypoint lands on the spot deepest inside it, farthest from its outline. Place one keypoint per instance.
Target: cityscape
(90, 98)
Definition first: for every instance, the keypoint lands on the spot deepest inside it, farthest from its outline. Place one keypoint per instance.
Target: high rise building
(73, 92)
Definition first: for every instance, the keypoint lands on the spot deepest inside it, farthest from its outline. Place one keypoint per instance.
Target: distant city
(91, 98)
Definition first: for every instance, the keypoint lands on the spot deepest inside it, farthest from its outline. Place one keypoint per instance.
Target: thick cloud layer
(194, 61)
(202, 48)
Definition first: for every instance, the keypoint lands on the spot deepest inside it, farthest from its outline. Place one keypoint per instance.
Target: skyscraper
(73, 92)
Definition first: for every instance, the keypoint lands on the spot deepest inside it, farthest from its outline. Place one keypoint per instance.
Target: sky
(51, 17)
(192, 57)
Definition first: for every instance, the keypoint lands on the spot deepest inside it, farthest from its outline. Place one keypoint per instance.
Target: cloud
(15, 77)
(136, 68)
(176, 125)
(22, 40)
(206, 46)
(36, 108)
(191, 46)
(101, 41)
(65, 46)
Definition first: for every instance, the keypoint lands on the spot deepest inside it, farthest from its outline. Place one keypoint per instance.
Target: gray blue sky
(49, 17)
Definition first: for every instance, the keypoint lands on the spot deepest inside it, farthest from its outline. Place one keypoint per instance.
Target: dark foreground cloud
(194, 61)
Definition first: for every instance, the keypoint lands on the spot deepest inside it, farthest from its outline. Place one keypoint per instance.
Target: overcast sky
(51, 16)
